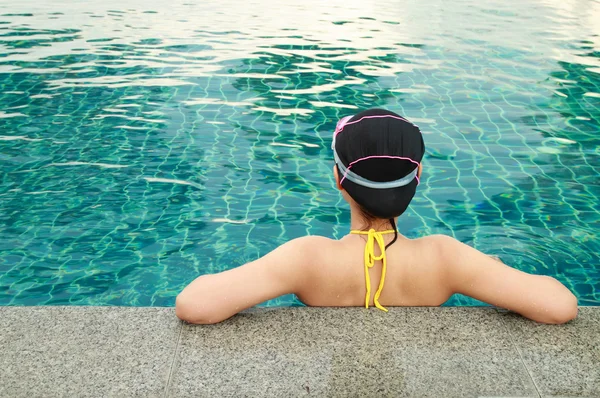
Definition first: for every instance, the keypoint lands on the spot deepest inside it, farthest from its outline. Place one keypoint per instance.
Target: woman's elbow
(192, 310)
(564, 311)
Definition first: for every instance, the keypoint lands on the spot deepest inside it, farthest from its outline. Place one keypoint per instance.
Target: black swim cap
(377, 154)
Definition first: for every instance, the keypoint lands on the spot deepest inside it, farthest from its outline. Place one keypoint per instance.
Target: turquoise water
(143, 144)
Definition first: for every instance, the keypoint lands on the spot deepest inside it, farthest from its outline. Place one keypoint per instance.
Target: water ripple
(145, 143)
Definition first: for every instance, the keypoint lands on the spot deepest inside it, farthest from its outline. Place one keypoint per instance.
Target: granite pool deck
(296, 352)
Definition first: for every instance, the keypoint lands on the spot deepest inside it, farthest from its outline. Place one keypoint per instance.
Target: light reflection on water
(145, 143)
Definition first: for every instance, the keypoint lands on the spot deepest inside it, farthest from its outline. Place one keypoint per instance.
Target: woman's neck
(359, 223)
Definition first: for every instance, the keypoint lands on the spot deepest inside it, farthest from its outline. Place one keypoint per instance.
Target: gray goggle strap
(355, 178)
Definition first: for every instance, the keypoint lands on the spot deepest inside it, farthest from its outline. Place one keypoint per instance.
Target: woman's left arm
(214, 298)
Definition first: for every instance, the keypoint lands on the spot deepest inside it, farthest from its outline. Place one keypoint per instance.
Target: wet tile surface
(86, 351)
(564, 360)
(450, 352)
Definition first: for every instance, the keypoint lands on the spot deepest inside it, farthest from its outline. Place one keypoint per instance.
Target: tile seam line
(175, 354)
(510, 337)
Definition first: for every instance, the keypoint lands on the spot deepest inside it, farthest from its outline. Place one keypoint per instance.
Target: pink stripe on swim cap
(344, 121)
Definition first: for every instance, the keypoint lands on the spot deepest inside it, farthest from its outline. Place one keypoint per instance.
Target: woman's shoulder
(308, 244)
(434, 242)
(311, 241)
(428, 243)
(312, 247)
(315, 248)
(429, 251)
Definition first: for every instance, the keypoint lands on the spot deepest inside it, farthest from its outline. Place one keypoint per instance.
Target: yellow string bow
(370, 258)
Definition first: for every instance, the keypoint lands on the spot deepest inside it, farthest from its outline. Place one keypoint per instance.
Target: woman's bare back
(421, 272)
(414, 277)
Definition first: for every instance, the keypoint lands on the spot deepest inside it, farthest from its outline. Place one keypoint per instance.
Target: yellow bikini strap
(370, 259)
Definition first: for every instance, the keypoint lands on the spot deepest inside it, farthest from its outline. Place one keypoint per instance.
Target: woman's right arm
(474, 274)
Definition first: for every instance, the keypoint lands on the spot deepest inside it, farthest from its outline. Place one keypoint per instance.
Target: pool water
(145, 143)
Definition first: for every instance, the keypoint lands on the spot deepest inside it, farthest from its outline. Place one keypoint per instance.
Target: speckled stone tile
(410, 352)
(86, 351)
(564, 360)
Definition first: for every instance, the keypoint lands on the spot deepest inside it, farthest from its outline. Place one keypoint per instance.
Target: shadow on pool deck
(409, 352)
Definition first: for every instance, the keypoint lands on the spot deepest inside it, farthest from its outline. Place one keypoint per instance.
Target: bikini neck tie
(370, 258)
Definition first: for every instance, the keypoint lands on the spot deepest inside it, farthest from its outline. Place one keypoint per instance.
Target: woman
(377, 168)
